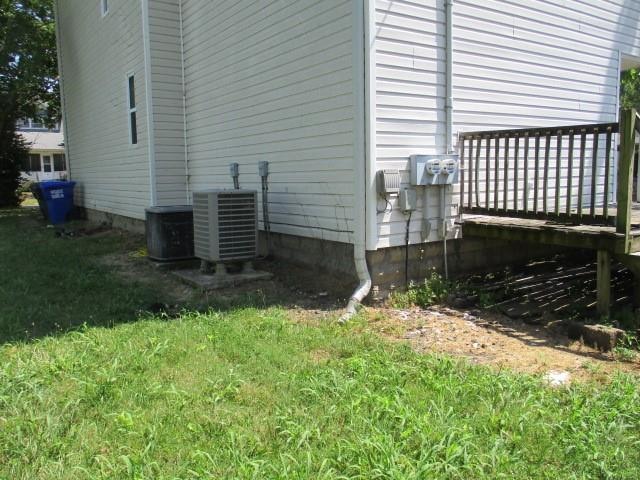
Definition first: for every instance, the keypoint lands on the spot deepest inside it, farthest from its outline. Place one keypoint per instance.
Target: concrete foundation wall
(466, 255)
(328, 265)
(323, 256)
(116, 221)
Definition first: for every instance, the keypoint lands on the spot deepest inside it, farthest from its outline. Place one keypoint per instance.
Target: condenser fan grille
(237, 226)
(225, 225)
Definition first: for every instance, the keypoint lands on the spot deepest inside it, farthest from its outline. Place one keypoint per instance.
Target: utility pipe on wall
(448, 7)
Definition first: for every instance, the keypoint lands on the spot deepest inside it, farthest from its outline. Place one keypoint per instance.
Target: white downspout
(360, 158)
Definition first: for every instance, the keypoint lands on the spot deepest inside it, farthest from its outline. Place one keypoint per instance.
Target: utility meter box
(388, 182)
(429, 170)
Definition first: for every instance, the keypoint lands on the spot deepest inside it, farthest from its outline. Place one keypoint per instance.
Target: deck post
(625, 173)
(604, 282)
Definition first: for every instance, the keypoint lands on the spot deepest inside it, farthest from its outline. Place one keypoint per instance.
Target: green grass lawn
(251, 393)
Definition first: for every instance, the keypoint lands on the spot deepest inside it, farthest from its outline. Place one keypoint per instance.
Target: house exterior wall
(274, 81)
(409, 105)
(97, 53)
(516, 64)
(540, 62)
(165, 56)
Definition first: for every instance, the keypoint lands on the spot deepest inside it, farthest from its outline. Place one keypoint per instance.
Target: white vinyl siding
(167, 101)
(274, 81)
(410, 115)
(97, 54)
(540, 62)
(516, 64)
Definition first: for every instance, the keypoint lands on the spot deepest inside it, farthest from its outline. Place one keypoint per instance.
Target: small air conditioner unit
(225, 224)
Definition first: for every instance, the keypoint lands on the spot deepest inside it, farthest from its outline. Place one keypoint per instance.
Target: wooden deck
(514, 187)
(595, 237)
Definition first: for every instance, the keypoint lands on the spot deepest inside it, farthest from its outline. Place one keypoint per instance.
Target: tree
(630, 89)
(28, 80)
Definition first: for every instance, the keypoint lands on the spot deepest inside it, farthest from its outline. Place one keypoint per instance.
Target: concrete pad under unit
(209, 281)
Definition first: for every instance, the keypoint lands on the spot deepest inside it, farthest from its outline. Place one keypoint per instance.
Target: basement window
(133, 121)
(104, 7)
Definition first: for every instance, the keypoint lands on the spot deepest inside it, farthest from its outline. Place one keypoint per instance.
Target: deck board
(596, 237)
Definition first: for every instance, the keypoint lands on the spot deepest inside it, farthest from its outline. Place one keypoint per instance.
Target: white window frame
(49, 163)
(104, 7)
(131, 110)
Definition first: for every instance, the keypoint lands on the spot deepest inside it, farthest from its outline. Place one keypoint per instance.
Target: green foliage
(630, 89)
(434, 289)
(28, 79)
(28, 60)
(12, 153)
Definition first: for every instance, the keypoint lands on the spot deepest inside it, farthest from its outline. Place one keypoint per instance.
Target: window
(46, 163)
(31, 163)
(133, 121)
(104, 7)
(59, 163)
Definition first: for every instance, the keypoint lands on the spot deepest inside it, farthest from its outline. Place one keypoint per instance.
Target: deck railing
(568, 173)
(565, 173)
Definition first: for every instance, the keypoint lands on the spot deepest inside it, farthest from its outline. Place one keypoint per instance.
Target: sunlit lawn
(250, 393)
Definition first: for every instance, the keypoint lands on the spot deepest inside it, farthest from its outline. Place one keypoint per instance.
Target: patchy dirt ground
(482, 337)
(493, 339)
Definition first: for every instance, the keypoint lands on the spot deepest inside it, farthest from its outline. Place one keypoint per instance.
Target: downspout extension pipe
(363, 289)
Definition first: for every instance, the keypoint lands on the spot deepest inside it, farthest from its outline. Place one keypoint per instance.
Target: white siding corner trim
(153, 181)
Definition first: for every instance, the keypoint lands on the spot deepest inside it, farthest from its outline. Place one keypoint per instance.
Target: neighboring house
(329, 92)
(46, 159)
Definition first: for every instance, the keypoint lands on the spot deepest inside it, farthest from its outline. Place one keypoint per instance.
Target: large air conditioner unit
(225, 224)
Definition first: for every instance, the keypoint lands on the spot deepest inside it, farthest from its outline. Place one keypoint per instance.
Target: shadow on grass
(51, 284)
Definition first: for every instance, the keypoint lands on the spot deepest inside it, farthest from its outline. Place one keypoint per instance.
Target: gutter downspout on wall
(153, 187)
(360, 196)
(448, 6)
(370, 119)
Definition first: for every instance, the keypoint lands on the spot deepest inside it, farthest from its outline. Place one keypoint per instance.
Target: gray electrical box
(407, 200)
(263, 168)
(434, 169)
(388, 182)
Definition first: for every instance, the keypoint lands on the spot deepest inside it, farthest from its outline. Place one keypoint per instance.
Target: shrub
(13, 152)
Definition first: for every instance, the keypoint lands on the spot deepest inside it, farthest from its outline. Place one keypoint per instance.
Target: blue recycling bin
(58, 197)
